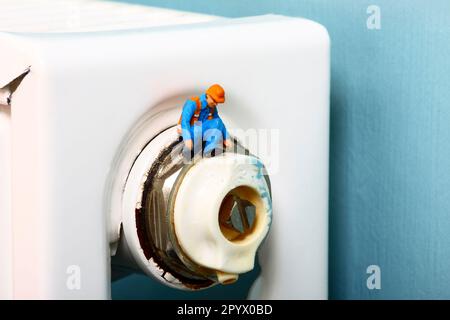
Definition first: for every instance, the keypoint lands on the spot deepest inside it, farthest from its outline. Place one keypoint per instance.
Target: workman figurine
(200, 124)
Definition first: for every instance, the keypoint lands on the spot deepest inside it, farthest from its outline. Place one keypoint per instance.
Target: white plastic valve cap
(206, 196)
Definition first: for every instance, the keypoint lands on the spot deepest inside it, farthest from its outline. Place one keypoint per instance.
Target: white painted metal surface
(6, 274)
(72, 115)
(62, 16)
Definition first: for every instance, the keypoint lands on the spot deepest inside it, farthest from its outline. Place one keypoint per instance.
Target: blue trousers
(210, 134)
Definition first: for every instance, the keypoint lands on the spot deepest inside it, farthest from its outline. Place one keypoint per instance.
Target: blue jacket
(188, 112)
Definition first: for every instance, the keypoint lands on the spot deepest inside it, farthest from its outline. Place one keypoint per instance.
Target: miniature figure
(200, 124)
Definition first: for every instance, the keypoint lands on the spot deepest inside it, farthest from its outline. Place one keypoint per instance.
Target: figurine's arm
(186, 116)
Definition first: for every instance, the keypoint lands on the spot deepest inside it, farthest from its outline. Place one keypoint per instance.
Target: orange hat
(217, 93)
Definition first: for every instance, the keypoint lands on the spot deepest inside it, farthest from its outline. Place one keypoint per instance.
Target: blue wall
(390, 142)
